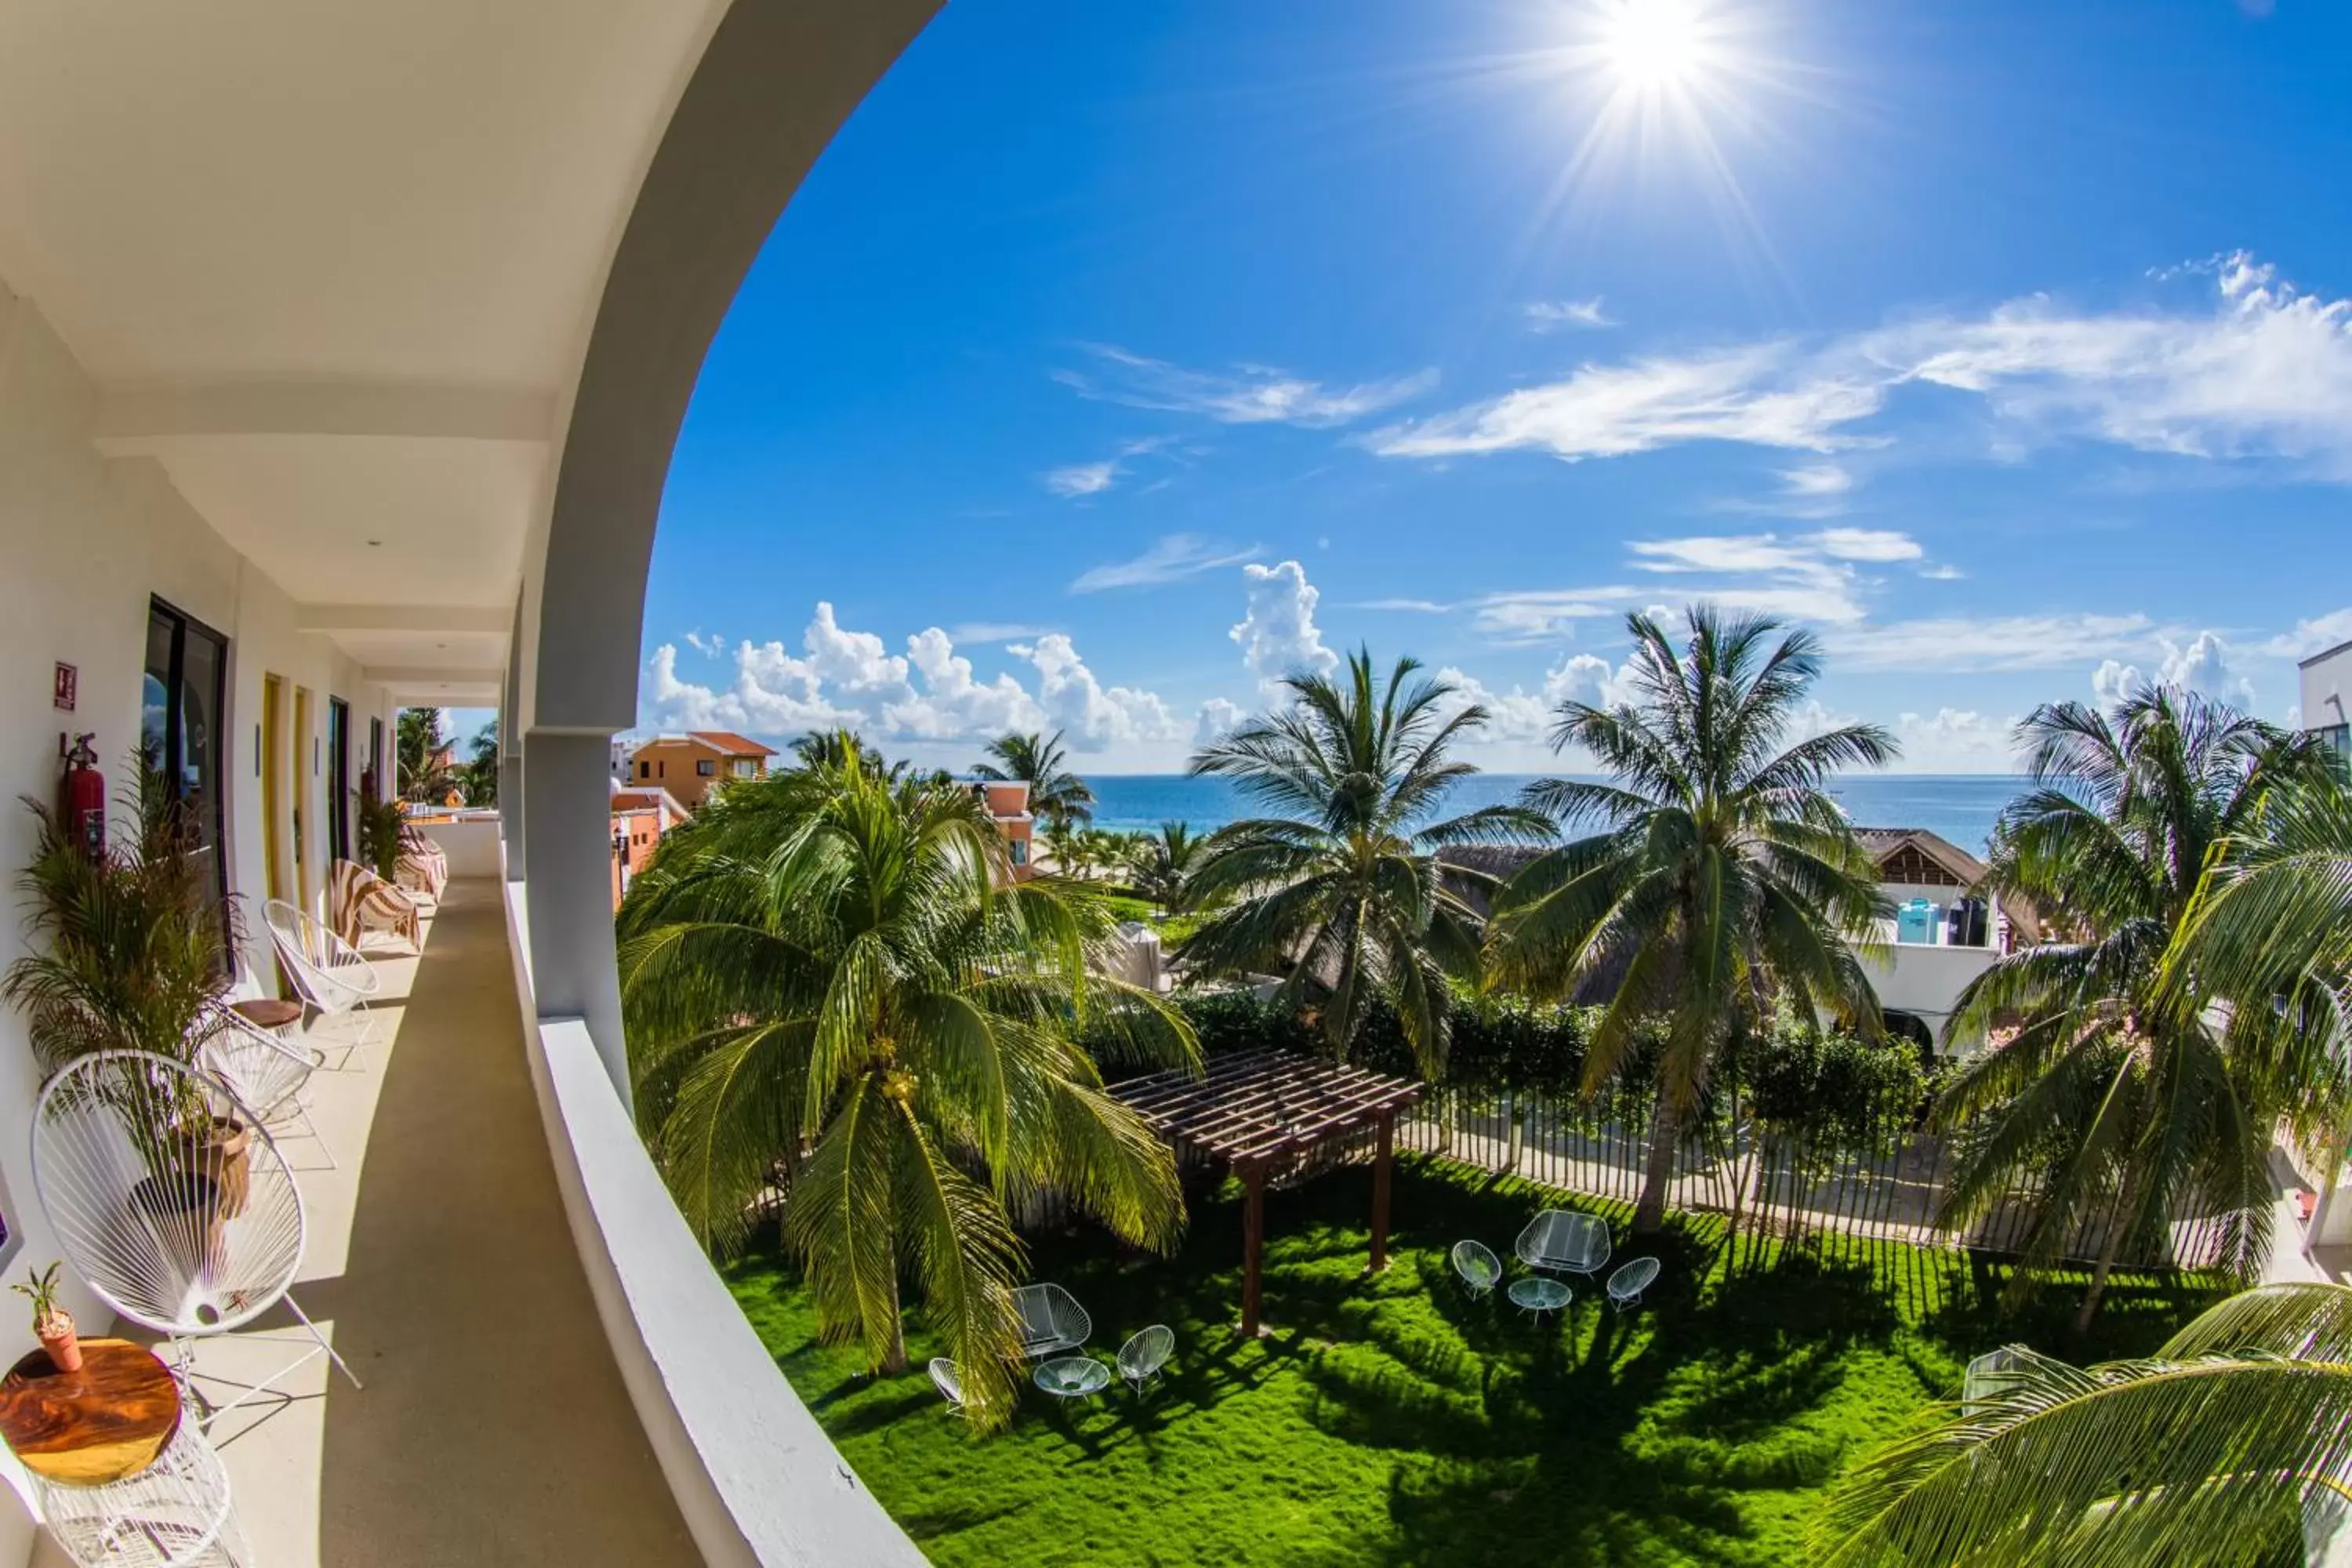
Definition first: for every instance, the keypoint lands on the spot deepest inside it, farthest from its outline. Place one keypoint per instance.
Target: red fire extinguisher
(83, 797)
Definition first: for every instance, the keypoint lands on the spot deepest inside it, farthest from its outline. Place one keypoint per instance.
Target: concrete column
(510, 752)
(568, 805)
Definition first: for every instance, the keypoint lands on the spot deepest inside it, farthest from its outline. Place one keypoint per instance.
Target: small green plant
(380, 835)
(41, 1288)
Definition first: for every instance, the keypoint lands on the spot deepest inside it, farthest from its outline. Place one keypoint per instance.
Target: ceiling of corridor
(332, 265)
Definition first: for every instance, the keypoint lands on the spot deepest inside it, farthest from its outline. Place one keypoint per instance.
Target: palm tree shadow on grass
(1625, 1438)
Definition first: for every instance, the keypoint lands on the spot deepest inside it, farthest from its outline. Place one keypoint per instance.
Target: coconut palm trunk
(1720, 880)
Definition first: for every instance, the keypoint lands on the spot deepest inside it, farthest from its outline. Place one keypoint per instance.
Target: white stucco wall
(86, 542)
(2327, 688)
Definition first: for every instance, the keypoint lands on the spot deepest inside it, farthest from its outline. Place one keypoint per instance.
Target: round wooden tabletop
(268, 1012)
(105, 1423)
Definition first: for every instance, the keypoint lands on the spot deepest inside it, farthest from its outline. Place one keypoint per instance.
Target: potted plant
(52, 1324)
(380, 822)
(131, 949)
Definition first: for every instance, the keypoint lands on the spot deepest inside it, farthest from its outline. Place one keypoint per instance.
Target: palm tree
(833, 984)
(2111, 1096)
(1343, 891)
(2214, 1451)
(481, 769)
(1163, 860)
(1056, 795)
(420, 748)
(1721, 878)
(2271, 922)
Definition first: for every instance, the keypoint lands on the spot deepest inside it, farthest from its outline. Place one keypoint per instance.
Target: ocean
(1959, 807)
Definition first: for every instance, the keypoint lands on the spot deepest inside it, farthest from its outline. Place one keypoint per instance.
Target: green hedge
(1830, 1086)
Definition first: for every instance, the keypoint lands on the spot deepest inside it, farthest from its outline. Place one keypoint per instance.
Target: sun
(1649, 45)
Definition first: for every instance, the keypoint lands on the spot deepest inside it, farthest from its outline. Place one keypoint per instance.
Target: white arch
(776, 81)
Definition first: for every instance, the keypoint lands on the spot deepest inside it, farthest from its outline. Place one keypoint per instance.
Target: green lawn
(1394, 1421)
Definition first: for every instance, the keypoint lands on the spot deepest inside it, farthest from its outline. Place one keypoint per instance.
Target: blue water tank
(1916, 921)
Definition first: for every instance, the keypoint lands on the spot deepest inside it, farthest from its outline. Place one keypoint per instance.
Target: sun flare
(1652, 43)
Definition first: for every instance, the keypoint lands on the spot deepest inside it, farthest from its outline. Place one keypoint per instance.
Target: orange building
(1008, 803)
(692, 765)
(640, 818)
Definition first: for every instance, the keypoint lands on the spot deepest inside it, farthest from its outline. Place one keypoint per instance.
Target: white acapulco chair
(1991, 1376)
(328, 976)
(171, 1227)
(1480, 1269)
(1626, 1284)
(1052, 1321)
(945, 1378)
(1561, 1241)
(269, 1073)
(173, 1514)
(1142, 1358)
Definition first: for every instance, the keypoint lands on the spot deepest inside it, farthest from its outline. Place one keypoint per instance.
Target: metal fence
(1772, 1184)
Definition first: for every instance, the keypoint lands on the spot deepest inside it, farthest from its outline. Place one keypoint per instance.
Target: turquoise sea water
(1960, 807)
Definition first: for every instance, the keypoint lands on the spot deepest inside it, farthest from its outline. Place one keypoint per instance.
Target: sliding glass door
(182, 727)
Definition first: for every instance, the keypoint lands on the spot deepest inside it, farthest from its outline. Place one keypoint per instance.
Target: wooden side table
(122, 1480)
(105, 1423)
(270, 1013)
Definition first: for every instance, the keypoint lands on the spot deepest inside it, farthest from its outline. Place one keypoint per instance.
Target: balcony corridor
(494, 1427)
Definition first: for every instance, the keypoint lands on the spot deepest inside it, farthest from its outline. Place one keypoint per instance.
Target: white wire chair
(328, 976)
(1480, 1269)
(945, 1378)
(1561, 1241)
(1626, 1284)
(1142, 1359)
(173, 1512)
(268, 1072)
(170, 1226)
(1991, 1376)
(1052, 1321)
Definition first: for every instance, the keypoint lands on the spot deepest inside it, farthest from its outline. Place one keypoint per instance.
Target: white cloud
(855, 664)
(2315, 636)
(1173, 556)
(1549, 315)
(1942, 572)
(2261, 370)
(2115, 681)
(1218, 718)
(1960, 739)
(1246, 394)
(1083, 478)
(1545, 614)
(931, 695)
(995, 631)
(1877, 544)
(1519, 717)
(2204, 666)
(1410, 606)
(1277, 634)
(1764, 395)
(1816, 480)
(953, 703)
(1961, 643)
(710, 646)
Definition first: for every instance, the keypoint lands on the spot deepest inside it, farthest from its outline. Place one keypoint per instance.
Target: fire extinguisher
(84, 798)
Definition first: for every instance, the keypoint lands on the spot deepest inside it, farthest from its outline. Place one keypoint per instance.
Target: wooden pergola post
(1260, 1112)
(1252, 1245)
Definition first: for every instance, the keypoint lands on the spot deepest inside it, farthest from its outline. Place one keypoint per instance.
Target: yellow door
(273, 772)
(299, 760)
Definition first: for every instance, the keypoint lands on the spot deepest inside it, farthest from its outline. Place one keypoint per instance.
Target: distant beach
(1960, 807)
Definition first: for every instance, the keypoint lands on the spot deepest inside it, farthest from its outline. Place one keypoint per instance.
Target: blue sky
(1116, 359)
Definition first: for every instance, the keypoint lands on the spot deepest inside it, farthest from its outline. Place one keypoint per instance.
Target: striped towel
(358, 901)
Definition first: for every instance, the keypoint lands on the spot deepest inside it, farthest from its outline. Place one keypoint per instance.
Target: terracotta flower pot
(58, 1337)
(221, 1152)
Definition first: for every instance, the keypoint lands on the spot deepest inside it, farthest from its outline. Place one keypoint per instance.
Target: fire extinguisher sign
(68, 679)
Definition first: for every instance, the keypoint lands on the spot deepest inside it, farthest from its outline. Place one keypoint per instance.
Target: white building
(343, 348)
(1944, 931)
(2326, 682)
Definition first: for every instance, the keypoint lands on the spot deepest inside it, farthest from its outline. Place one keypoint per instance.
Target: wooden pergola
(1260, 1108)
